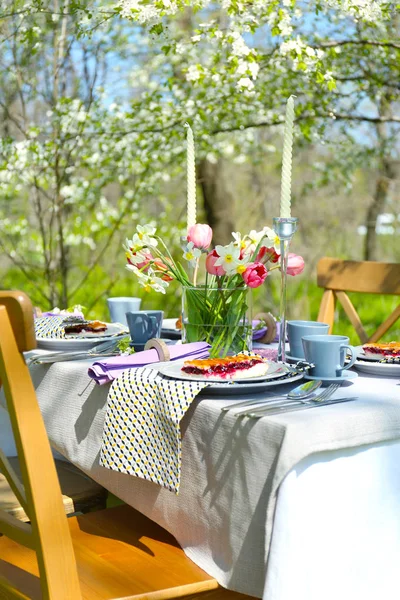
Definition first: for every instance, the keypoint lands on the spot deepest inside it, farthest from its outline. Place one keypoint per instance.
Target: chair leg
(327, 309)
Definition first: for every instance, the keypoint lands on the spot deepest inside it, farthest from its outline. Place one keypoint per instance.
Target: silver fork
(289, 404)
(107, 348)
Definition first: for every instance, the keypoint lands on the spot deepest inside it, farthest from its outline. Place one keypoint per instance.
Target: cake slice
(77, 325)
(391, 349)
(241, 366)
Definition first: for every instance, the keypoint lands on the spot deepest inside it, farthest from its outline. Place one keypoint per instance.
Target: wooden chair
(114, 553)
(80, 492)
(340, 276)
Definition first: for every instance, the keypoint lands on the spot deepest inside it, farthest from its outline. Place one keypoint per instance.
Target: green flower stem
(217, 316)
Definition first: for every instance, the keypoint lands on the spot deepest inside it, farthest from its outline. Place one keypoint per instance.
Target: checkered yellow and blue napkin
(141, 434)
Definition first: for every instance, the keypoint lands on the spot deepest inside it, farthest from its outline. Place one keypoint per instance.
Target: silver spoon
(304, 390)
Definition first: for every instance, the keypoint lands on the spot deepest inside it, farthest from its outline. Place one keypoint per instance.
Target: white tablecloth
(337, 521)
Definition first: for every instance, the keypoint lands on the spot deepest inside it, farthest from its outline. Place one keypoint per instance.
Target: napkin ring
(270, 322)
(161, 348)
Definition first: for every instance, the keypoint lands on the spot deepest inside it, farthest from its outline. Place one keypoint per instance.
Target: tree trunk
(218, 201)
(376, 208)
(387, 172)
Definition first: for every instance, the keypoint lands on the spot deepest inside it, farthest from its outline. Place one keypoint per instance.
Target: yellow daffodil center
(189, 256)
(228, 258)
(240, 269)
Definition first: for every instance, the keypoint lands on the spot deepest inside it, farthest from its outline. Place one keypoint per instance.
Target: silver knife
(295, 407)
(259, 405)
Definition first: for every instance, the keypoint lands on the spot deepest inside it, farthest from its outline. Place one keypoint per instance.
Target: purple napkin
(104, 371)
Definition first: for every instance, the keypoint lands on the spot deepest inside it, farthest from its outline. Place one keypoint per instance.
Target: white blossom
(193, 73)
(245, 83)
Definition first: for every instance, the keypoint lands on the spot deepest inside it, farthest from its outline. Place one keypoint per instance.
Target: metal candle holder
(284, 228)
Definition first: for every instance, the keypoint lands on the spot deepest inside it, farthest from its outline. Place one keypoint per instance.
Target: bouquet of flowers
(217, 310)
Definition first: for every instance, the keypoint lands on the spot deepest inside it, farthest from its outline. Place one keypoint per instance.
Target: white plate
(83, 340)
(175, 371)
(377, 368)
(170, 324)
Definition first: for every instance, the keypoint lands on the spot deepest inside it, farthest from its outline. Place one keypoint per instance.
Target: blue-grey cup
(298, 329)
(144, 325)
(118, 307)
(328, 354)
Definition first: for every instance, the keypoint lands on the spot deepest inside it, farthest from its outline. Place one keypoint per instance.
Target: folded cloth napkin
(104, 371)
(50, 327)
(141, 434)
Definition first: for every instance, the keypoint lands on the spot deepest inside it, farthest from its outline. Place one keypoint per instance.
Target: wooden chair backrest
(20, 311)
(340, 276)
(40, 495)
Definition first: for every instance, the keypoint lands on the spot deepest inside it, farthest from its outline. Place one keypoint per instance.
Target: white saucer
(293, 358)
(345, 376)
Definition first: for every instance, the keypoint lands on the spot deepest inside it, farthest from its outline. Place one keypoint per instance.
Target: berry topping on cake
(392, 349)
(240, 366)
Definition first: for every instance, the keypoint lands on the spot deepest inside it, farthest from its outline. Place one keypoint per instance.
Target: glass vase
(219, 316)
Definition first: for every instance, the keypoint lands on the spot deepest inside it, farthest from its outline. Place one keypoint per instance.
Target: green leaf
(331, 85)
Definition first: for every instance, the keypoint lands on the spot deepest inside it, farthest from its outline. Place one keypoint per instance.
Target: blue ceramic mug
(144, 325)
(298, 329)
(118, 307)
(328, 354)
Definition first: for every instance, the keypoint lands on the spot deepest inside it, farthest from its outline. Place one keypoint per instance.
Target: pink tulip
(200, 235)
(295, 264)
(210, 264)
(255, 274)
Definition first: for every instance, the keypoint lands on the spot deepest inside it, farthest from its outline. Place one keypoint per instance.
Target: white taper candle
(286, 178)
(191, 178)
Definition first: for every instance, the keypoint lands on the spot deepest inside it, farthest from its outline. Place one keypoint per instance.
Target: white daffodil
(255, 237)
(241, 265)
(148, 280)
(228, 257)
(135, 257)
(191, 253)
(251, 241)
(134, 245)
(154, 283)
(239, 241)
(139, 274)
(145, 233)
(271, 239)
(237, 236)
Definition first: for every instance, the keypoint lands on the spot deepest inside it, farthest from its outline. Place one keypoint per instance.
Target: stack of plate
(373, 366)
(83, 340)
